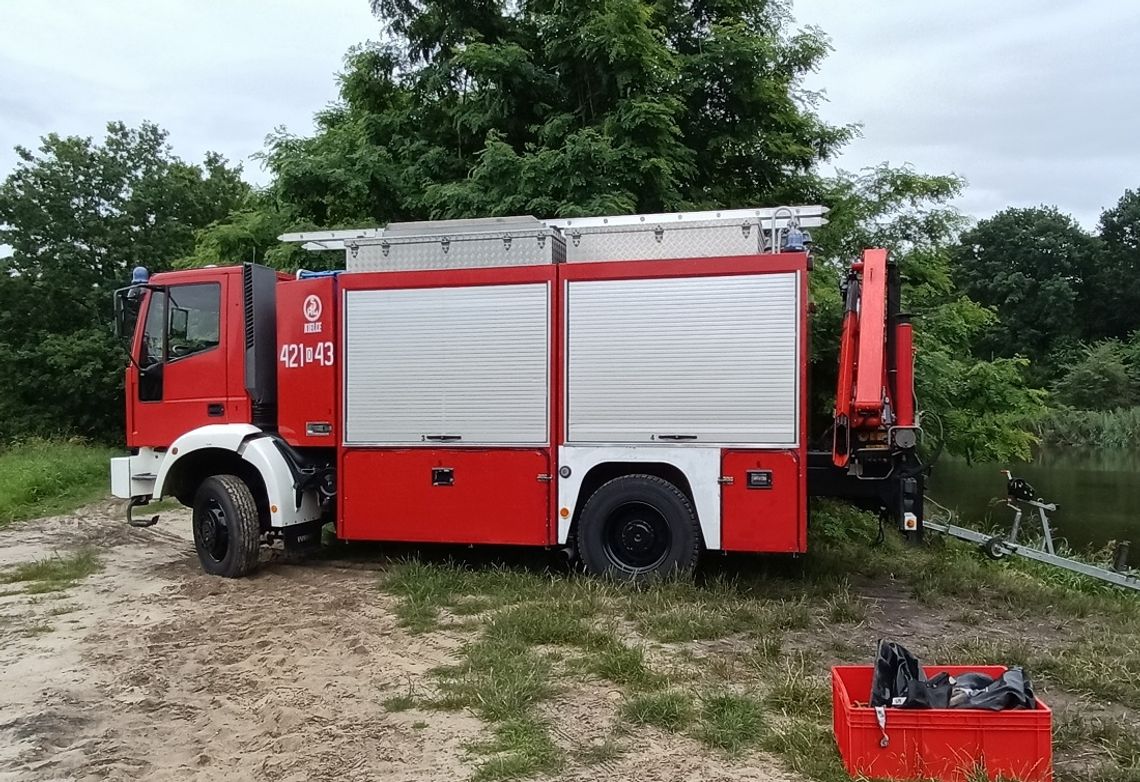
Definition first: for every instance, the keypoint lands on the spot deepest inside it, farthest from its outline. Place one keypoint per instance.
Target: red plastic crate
(944, 744)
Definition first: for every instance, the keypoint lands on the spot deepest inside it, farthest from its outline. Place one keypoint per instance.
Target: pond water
(1097, 494)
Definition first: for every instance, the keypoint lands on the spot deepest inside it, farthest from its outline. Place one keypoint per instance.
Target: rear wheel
(227, 530)
(638, 526)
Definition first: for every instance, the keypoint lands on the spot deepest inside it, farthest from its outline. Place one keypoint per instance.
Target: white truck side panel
(469, 362)
(700, 465)
(701, 359)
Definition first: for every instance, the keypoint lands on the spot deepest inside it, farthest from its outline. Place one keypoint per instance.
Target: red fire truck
(631, 388)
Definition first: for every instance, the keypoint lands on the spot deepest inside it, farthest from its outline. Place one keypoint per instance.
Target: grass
(737, 657)
(807, 747)
(605, 751)
(608, 658)
(52, 574)
(686, 622)
(730, 722)
(399, 703)
(43, 477)
(502, 680)
(727, 721)
(845, 608)
(797, 690)
(767, 650)
(497, 681)
(672, 710)
(520, 747)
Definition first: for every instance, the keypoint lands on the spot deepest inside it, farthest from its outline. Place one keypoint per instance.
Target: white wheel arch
(248, 442)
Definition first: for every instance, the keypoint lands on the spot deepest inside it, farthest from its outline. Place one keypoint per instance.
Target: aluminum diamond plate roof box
(447, 244)
(681, 234)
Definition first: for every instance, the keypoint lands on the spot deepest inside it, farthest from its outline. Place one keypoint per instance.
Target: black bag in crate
(898, 681)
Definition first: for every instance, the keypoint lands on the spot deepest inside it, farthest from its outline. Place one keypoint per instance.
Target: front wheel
(638, 526)
(227, 529)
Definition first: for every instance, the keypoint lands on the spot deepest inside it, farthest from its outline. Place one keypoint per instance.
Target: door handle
(442, 438)
(676, 437)
(215, 409)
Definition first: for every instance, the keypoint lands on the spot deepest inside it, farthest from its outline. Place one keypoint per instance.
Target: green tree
(980, 409)
(1100, 379)
(1112, 289)
(564, 107)
(77, 216)
(1030, 265)
(249, 234)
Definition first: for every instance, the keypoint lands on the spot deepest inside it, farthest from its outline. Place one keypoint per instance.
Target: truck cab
(187, 357)
(201, 390)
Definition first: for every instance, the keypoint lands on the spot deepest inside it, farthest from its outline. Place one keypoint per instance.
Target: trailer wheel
(638, 526)
(994, 548)
(227, 530)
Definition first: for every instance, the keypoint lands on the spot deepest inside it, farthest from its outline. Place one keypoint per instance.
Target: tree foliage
(1113, 282)
(1031, 265)
(577, 107)
(77, 216)
(1099, 380)
(558, 108)
(1065, 299)
(562, 107)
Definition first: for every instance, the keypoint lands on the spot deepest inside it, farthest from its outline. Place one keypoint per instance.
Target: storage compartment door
(454, 495)
(448, 366)
(687, 359)
(762, 504)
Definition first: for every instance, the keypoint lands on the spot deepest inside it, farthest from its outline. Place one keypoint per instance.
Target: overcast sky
(1033, 101)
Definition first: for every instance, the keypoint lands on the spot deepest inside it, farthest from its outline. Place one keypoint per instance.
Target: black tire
(994, 548)
(637, 527)
(227, 530)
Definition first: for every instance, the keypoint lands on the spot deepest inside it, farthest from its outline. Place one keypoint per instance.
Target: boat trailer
(1019, 495)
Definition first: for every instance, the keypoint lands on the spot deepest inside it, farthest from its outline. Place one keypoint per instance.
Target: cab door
(180, 380)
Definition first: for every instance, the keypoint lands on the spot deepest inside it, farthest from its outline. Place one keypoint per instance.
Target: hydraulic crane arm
(869, 396)
(875, 393)
(873, 459)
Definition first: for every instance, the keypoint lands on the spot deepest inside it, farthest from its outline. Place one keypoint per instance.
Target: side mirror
(127, 303)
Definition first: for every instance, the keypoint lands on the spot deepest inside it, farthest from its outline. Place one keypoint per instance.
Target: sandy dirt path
(152, 670)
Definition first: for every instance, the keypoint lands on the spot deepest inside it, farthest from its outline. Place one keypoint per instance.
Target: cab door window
(181, 321)
(195, 318)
